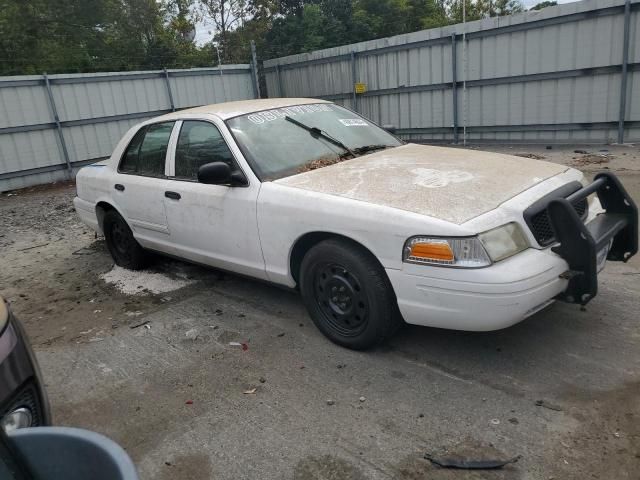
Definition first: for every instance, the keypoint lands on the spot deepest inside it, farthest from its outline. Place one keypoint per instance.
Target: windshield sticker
(353, 122)
(270, 115)
(428, 178)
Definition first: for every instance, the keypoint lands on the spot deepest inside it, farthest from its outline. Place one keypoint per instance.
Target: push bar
(616, 229)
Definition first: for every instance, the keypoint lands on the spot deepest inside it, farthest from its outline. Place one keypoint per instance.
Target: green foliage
(478, 9)
(94, 35)
(114, 35)
(542, 5)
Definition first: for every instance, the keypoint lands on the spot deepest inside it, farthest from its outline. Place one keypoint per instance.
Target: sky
(204, 29)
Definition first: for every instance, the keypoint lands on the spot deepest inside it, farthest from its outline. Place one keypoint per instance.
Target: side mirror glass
(390, 128)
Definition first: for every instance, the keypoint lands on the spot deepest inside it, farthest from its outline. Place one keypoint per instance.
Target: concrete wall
(550, 76)
(94, 111)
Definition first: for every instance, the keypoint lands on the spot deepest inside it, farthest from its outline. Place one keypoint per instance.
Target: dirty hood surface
(451, 184)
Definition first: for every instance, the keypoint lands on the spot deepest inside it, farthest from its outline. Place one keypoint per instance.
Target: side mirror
(214, 173)
(390, 128)
(219, 173)
(51, 453)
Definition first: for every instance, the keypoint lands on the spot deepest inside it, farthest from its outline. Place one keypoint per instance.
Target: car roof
(233, 109)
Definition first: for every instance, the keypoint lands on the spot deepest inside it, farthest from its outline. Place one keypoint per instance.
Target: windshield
(289, 140)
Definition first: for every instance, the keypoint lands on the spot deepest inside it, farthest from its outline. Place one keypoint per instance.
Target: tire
(348, 295)
(124, 248)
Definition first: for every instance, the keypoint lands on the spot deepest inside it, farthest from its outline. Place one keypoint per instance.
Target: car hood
(451, 184)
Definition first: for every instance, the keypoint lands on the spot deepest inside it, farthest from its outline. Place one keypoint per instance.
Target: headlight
(504, 241)
(467, 252)
(451, 252)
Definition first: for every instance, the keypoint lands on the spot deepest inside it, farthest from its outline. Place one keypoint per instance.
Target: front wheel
(124, 248)
(348, 295)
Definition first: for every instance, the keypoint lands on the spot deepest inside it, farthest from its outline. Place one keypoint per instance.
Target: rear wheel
(348, 294)
(124, 248)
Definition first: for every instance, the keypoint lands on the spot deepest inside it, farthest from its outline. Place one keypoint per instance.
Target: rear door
(141, 182)
(212, 224)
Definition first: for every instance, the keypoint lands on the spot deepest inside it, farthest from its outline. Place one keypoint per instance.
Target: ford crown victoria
(371, 230)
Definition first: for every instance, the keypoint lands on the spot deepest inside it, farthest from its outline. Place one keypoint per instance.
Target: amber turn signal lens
(438, 251)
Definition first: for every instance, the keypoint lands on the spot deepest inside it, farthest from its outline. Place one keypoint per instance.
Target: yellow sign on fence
(360, 88)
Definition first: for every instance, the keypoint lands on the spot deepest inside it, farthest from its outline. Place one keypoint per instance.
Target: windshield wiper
(370, 148)
(316, 132)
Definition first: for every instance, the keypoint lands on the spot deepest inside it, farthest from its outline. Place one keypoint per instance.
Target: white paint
(132, 282)
(378, 200)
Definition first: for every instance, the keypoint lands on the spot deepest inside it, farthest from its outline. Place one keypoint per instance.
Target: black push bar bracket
(616, 229)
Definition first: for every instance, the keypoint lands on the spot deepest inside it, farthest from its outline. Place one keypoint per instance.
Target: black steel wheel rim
(121, 238)
(341, 299)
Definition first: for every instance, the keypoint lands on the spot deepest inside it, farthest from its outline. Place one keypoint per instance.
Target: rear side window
(199, 143)
(147, 151)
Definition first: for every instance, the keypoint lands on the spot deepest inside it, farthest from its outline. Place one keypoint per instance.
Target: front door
(141, 182)
(211, 224)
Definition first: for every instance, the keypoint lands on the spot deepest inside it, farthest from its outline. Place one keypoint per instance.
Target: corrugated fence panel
(26, 105)
(542, 76)
(103, 99)
(188, 90)
(94, 111)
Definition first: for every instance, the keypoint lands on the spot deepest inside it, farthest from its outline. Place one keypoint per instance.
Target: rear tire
(348, 294)
(124, 248)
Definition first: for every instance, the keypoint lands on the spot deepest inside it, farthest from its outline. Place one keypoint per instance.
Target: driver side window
(199, 142)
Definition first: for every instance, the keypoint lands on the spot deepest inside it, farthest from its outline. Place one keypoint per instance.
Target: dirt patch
(326, 467)
(591, 159)
(534, 156)
(607, 444)
(51, 269)
(187, 467)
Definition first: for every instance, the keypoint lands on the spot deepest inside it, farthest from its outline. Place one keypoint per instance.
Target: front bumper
(509, 291)
(480, 299)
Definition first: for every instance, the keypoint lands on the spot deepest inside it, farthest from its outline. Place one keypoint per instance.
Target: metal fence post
(254, 71)
(166, 79)
(625, 65)
(454, 86)
(279, 79)
(354, 79)
(54, 110)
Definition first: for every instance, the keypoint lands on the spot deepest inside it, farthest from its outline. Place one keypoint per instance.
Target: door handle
(119, 187)
(172, 195)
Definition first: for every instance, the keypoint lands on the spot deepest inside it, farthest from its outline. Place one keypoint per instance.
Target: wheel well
(306, 242)
(101, 209)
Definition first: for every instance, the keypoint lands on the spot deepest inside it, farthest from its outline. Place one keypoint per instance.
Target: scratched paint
(446, 183)
(429, 178)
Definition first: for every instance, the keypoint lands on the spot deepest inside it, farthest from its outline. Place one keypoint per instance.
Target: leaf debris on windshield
(320, 162)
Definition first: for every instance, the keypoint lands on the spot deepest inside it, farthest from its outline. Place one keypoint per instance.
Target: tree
(478, 9)
(542, 5)
(100, 35)
(226, 15)
(96, 35)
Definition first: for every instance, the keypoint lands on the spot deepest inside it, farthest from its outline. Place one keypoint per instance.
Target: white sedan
(371, 230)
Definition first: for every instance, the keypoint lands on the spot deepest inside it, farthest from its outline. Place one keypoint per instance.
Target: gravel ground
(151, 360)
